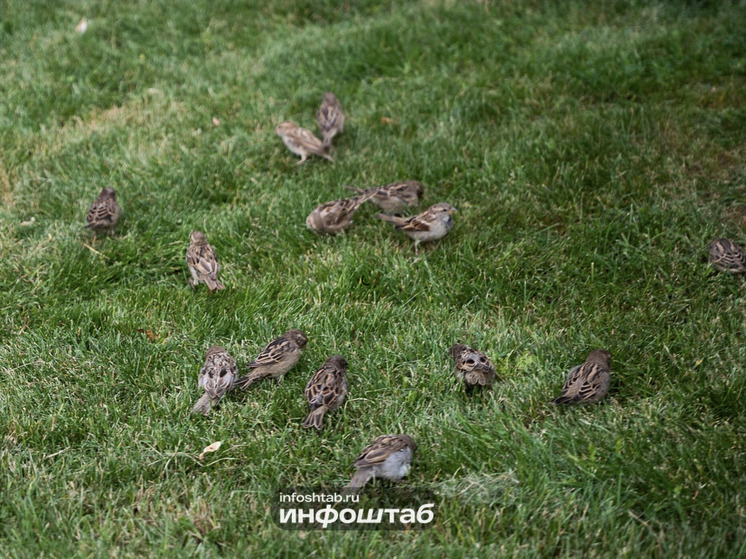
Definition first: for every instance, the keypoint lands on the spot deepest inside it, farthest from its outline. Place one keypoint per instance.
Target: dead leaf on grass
(212, 448)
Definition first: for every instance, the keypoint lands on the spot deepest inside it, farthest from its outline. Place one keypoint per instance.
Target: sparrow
(432, 224)
(104, 212)
(216, 378)
(394, 197)
(203, 262)
(587, 383)
(473, 367)
(331, 118)
(326, 391)
(276, 359)
(389, 457)
(335, 216)
(727, 256)
(301, 141)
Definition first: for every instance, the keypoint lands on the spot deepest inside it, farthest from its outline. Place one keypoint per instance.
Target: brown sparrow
(216, 378)
(301, 141)
(203, 262)
(335, 216)
(389, 457)
(104, 212)
(331, 118)
(587, 383)
(473, 367)
(276, 359)
(326, 391)
(727, 256)
(432, 224)
(395, 197)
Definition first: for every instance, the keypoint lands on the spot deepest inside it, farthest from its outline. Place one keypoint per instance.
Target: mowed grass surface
(593, 150)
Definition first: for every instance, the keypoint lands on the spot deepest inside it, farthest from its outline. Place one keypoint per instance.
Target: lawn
(592, 148)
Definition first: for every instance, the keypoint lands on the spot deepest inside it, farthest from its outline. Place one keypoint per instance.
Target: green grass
(593, 150)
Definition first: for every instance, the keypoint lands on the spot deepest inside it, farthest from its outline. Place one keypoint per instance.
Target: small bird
(301, 141)
(203, 262)
(276, 359)
(331, 118)
(389, 457)
(587, 383)
(326, 391)
(216, 378)
(335, 216)
(395, 197)
(104, 212)
(727, 256)
(473, 367)
(432, 224)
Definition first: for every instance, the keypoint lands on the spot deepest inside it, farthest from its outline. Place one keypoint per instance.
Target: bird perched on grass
(331, 118)
(727, 256)
(216, 378)
(395, 197)
(301, 141)
(335, 216)
(473, 367)
(389, 457)
(587, 383)
(276, 359)
(203, 262)
(326, 391)
(104, 212)
(432, 224)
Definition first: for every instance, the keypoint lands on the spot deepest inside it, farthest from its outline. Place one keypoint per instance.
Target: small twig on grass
(94, 250)
(58, 452)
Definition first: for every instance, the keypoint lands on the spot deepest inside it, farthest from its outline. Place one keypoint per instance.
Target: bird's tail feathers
(479, 376)
(214, 284)
(363, 197)
(354, 188)
(315, 419)
(203, 405)
(321, 152)
(389, 218)
(357, 482)
(244, 382)
(247, 380)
